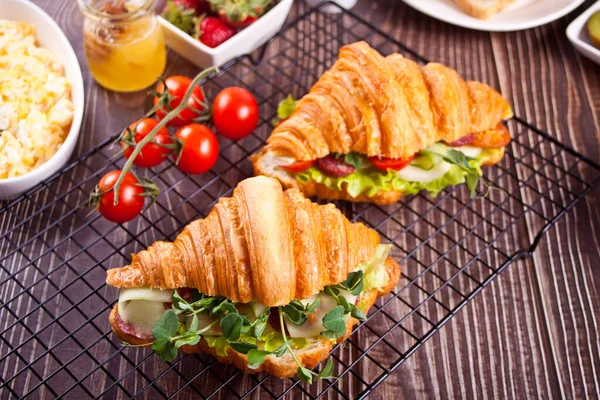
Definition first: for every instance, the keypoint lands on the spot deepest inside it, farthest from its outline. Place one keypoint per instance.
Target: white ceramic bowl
(578, 34)
(50, 36)
(244, 42)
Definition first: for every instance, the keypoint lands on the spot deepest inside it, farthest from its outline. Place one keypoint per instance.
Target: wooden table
(533, 332)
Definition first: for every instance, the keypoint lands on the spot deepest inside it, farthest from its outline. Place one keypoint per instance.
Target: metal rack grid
(55, 340)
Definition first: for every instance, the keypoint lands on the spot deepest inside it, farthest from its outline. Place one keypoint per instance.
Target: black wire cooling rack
(55, 340)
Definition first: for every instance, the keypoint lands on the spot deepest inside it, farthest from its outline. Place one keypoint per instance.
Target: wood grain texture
(534, 332)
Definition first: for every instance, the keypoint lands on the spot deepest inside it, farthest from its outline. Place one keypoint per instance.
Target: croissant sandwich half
(374, 128)
(268, 281)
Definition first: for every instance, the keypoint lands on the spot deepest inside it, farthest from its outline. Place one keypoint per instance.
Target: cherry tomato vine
(161, 124)
(178, 102)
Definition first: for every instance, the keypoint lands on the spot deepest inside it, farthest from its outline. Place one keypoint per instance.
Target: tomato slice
(299, 166)
(391, 163)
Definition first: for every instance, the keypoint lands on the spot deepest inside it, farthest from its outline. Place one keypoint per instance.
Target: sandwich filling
(169, 319)
(432, 169)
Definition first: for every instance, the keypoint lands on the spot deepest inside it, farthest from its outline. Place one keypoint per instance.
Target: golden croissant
(373, 128)
(265, 251)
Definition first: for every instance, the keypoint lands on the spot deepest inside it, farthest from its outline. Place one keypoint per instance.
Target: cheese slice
(145, 293)
(411, 173)
(442, 149)
(469, 151)
(142, 307)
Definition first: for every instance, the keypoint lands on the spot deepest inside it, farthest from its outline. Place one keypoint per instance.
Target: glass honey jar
(123, 42)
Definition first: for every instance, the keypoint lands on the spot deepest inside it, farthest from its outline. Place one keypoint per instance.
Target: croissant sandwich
(268, 281)
(374, 128)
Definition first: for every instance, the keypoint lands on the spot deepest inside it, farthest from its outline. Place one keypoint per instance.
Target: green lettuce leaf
(370, 180)
(270, 342)
(367, 180)
(374, 269)
(275, 339)
(286, 107)
(454, 176)
(219, 343)
(299, 343)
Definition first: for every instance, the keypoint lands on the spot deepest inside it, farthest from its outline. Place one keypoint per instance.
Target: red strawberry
(212, 31)
(239, 13)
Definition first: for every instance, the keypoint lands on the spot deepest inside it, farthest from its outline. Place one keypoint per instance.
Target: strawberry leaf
(182, 18)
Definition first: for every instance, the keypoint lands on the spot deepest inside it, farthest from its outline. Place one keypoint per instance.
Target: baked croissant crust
(262, 244)
(384, 106)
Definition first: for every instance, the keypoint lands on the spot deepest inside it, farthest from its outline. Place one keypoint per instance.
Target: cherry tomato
(299, 166)
(151, 154)
(200, 149)
(235, 113)
(390, 163)
(130, 200)
(177, 87)
(335, 167)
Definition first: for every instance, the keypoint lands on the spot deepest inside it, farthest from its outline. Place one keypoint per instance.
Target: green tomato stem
(161, 124)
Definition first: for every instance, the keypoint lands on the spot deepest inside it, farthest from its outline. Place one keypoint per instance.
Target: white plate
(522, 14)
(50, 36)
(578, 34)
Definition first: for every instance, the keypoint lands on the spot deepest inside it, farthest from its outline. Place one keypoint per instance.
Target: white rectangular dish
(579, 37)
(244, 42)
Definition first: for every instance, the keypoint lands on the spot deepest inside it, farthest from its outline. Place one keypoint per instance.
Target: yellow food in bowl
(36, 110)
(593, 26)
